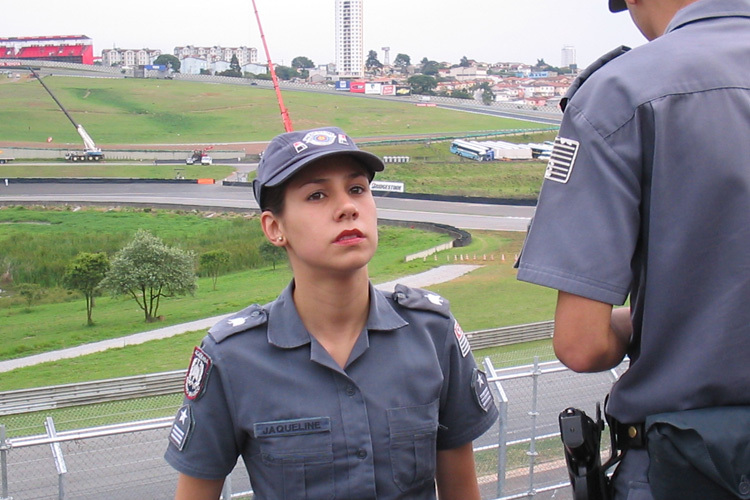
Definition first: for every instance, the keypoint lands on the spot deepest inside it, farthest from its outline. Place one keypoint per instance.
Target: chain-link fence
(115, 450)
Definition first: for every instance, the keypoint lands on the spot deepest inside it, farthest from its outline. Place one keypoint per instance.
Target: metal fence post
(4, 447)
(502, 420)
(226, 490)
(57, 454)
(534, 413)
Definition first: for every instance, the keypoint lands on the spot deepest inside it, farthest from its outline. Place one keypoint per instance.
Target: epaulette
(590, 70)
(417, 298)
(250, 317)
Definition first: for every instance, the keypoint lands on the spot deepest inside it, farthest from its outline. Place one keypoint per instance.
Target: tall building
(568, 57)
(350, 61)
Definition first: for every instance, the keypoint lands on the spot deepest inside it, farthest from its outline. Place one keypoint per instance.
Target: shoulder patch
(182, 427)
(246, 319)
(481, 390)
(424, 300)
(196, 377)
(562, 159)
(463, 341)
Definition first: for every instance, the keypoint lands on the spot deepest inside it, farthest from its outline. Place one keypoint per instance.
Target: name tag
(292, 427)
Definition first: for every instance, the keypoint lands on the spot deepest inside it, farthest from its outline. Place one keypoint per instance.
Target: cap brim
(371, 162)
(617, 5)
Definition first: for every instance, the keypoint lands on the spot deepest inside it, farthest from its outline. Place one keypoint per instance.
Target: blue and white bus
(472, 150)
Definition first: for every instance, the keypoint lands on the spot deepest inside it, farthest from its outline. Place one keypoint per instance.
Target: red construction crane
(284, 113)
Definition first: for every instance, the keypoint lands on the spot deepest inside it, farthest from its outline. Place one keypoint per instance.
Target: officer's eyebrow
(322, 180)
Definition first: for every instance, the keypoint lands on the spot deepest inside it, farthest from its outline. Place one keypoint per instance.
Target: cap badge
(319, 138)
(299, 146)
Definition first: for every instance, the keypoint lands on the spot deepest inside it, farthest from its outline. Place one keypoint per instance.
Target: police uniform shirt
(647, 193)
(307, 428)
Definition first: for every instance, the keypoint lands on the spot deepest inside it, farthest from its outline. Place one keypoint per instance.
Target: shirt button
(350, 391)
(361, 454)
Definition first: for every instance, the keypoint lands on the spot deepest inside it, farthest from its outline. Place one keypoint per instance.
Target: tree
(271, 252)
(402, 62)
(30, 291)
(461, 94)
(147, 270)
(234, 66)
(169, 61)
(213, 263)
(464, 62)
(488, 97)
(302, 62)
(372, 62)
(235, 70)
(422, 84)
(85, 274)
(286, 73)
(430, 67)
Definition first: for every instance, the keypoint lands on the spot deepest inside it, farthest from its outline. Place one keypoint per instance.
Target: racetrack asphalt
(437, 275)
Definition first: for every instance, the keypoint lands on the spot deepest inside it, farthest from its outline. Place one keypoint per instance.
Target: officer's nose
(347, 209)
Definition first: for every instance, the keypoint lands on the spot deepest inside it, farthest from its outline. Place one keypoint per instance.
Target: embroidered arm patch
(562, 159)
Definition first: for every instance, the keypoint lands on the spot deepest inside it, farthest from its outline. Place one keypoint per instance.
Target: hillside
(134, 111)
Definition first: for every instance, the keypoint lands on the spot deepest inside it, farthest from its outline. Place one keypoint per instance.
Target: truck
(90, 151)
(199, 156)
(5, 159)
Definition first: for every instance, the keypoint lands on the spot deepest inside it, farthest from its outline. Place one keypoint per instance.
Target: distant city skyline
(520, 31)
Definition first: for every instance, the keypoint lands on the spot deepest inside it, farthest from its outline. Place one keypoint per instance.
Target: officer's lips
(349, 237)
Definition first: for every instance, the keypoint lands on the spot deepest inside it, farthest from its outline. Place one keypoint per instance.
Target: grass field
(486, 298)
(136, 111)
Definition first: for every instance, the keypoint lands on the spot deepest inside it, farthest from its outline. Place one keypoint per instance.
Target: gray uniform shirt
(263, 388)
(647, 194)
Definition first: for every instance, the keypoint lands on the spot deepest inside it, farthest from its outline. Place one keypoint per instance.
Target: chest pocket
(297, 458)
(413, 438)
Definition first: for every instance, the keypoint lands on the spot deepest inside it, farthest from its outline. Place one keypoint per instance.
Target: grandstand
(72, 48)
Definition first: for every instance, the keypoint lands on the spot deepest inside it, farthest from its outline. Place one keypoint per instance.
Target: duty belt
(628, 436)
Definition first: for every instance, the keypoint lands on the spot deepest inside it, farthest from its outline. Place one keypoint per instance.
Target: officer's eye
(317, 195)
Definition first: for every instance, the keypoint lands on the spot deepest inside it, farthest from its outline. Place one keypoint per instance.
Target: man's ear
(272, 229)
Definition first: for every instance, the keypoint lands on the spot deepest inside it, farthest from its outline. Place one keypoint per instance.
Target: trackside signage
(394, 187)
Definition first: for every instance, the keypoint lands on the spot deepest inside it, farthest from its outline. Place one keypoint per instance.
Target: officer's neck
(334, 311)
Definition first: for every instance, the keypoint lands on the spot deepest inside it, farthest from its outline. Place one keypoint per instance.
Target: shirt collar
(285, 328)
(706, 9)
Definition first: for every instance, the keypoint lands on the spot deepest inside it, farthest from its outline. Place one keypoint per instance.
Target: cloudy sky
(441, 30)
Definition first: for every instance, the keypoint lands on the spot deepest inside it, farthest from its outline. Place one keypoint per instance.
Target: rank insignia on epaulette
(481, 390)
(197, 375)
(463, 341)
(182, 427)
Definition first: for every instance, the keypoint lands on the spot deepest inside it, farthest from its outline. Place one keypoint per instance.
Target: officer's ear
(272, 228)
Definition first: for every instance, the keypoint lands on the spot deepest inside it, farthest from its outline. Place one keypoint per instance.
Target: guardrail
(160, 384)
(61, 396)
(510, 335)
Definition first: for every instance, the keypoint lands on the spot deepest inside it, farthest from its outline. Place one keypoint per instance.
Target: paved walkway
(433, 276)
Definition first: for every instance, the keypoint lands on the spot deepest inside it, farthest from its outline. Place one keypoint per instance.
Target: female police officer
(335, 389)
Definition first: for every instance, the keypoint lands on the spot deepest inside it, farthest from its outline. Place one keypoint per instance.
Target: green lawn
(136, 111)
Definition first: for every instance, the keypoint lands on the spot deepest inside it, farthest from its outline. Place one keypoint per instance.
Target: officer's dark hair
(273, 198)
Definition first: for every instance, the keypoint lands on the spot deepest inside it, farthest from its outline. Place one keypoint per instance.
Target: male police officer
(647, 195)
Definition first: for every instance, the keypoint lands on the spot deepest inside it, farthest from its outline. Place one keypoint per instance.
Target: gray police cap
(617, 5)
(287, 153)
